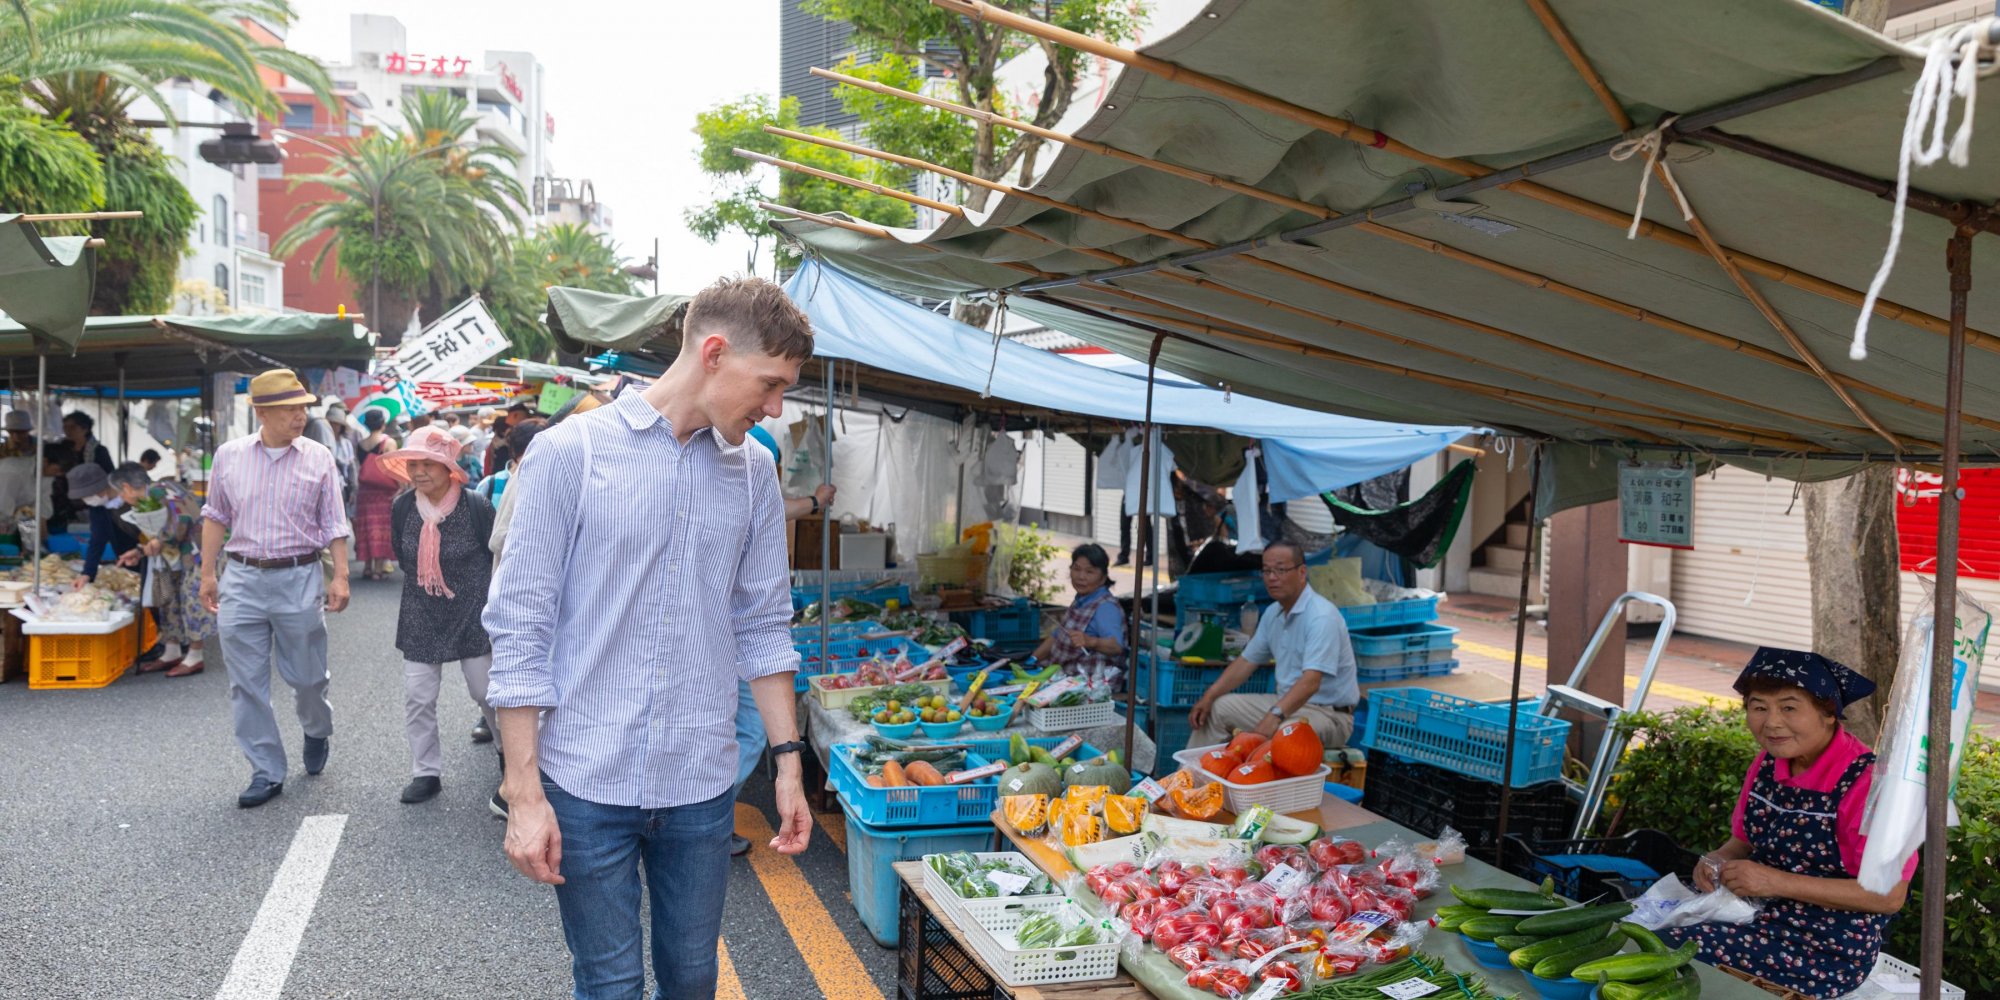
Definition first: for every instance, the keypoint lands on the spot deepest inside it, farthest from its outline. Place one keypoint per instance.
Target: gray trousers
(279, 613)
(420, 701)
(1235, 712)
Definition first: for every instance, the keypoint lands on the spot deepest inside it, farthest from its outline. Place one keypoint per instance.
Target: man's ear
(713, 347)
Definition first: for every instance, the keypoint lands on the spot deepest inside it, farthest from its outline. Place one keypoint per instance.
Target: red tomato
(1329, 906)
(1231, 875)
(1117, 894)
(1145, 915)
(1249, 919)
(1186, 928)
(1122, 869)
(1285, 971)
(1222, 909)
(1188, 956)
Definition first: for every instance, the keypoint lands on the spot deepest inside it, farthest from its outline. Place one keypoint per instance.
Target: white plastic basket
(1285, 795)
(832, 698)
(31, 625)
(1062, 718)
(1893, 977)
(1016, 967)
(1000, 913)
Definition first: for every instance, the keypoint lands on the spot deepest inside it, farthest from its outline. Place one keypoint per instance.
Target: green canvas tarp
(584, 320)
(45, 281)
(173, 351)
(1501, 308)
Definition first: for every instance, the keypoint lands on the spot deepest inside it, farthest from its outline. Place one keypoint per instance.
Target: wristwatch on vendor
(1277, 712)
(795, 746)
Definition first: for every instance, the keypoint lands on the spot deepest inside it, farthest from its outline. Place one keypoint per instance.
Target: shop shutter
(1062, 476)
(1747, 548)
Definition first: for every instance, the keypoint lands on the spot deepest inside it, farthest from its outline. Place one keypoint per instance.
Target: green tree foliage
(45, 166)
(741, 184)
(566, 254)
(137, 266)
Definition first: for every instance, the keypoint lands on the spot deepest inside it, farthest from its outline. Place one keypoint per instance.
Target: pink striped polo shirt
(276, 508)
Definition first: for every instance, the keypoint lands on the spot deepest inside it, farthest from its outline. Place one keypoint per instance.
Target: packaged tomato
(1332, 852)
(1273, 855)
(1247, 917)
(1187, 926)
(1172, 875)
(1221, 979)
(1144, 915)
(1286, 970)
(1189, 956)
(1328, 905)
(1202, 891)
(1254, 944)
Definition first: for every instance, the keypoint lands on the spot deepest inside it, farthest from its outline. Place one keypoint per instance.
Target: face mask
(93, 501)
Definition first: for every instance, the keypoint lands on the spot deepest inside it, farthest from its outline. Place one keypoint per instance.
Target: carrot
(875, 781)
(892, 774)
(920, 772)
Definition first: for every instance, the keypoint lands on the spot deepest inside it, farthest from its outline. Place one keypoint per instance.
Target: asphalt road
(127, 870)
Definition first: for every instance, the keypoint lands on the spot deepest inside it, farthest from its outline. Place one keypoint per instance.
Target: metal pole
(656, 265)
(41, 468)
(1520, 645)
(826, 537)
(124, 419)
(1138, 575)
(1937, 786)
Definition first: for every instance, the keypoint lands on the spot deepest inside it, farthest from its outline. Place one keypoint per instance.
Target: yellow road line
(1531, 661)
(826, 951)
(835, 826)
(727, 986)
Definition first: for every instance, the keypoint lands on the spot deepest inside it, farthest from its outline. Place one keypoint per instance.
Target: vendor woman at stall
(1304, 635)
(1091, 638)
(1797, 835)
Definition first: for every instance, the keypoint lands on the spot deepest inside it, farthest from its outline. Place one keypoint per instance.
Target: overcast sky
(625, 80)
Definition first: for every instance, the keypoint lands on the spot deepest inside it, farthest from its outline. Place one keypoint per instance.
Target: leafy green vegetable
(1041, 930)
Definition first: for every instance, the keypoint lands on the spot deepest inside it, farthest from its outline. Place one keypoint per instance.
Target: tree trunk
(1872, 14)
(1856, 582)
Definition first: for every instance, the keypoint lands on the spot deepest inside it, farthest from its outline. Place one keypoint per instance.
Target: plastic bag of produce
(1670, 903)
(1895, 819)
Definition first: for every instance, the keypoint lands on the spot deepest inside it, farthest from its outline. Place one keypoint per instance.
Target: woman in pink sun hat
(439, 530)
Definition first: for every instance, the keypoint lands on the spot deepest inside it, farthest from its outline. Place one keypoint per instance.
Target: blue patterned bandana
(1819, 676)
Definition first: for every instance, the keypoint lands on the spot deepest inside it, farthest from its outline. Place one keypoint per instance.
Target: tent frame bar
(1765, 101)
(1984, 217)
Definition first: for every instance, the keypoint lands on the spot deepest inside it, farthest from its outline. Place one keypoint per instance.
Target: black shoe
(316, 748)
(738, 846)
(259, 792)
(1124, 559)
(422, 788)
(482, 733)
(155, 653)
(497, 806)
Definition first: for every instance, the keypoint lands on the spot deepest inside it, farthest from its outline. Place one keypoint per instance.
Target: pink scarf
(430, 575)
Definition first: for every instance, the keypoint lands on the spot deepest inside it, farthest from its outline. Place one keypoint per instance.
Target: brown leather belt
(287, 562)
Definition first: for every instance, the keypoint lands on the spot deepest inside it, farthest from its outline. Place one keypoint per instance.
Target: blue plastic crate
(1411, 659)
(915, 805)
(878, 594)
(1399, 640)
(1413, 612)
(1180, 685)
(1170, 736)
(1012, 625)
(804, 635)
(849, 651)
(1385, 675)
(1219, 590)
(871, 854)
(1345, 793)
(998, 748)
(1462, 735)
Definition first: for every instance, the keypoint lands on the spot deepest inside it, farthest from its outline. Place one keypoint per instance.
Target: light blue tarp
(1313, 451)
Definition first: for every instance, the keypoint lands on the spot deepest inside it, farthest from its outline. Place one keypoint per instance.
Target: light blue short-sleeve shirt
(1311, 636)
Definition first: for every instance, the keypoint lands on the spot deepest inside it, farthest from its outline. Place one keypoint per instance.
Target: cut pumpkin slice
(1200, 803)
(1085, 797)
(1081, 828)
(1026, 813)
(1124, 813)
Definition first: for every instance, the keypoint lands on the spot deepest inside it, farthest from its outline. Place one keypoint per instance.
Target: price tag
(1286, 881)
(1066, 747)
(1010, 883)
(1411, 988)
(1151, 790)
(1268, 991)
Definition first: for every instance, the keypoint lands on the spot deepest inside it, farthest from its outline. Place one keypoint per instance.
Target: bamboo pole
(77, 216)
(1342, 129)
(880, 233)
(868, 186)
(1632, 312)
(1581, 63)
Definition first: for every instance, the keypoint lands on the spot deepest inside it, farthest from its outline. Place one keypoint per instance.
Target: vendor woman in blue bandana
(1797, 835)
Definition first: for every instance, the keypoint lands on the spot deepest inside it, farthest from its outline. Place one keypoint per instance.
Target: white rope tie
(999, 328)
(1651, 142)
(1930, 105)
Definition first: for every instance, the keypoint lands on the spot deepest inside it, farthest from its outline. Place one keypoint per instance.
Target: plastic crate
(85, 654)
(1617, 867)
(832, 698)
(1171, 733)
(873, 592)
(1009, 626)
(994, 913)
(999, 748)
(1410, 612)
(1399, 640)
(913, 805)
(1463, 735)
(932, 965)
(848, 654)
(1427, 799)
(808, 635)
(1342, 792)
(1219, 590)
(1412, 658)
(872, 853)
(1894, 978)
(1063, 718)
(1016, 966)
(1180, 685)
(1285, 795)
(1389, 675)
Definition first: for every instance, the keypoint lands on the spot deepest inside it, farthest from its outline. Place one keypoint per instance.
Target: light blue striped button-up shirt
(642, 577)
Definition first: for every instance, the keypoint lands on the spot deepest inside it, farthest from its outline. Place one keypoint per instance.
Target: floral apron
(1075, 659)
(1814, 950)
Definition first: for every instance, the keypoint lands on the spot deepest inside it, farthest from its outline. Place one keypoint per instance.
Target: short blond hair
(750, 309)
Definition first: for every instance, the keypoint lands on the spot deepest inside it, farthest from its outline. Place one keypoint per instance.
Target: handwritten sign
(450, 347)
(1656, 504)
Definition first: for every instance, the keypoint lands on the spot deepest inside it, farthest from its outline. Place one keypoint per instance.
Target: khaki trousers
(1234, 712)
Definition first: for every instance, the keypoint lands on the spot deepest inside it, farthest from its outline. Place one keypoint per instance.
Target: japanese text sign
(1656, 504)
(450, 347)
(419, 64)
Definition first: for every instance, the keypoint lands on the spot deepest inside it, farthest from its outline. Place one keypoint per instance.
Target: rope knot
(1653, 143)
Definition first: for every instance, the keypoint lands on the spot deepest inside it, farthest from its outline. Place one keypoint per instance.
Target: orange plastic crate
(87, 661)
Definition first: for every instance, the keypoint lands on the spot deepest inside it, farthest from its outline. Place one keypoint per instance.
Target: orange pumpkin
(1177, 780)
(1296, 750)
(1245, 745)
(1220, 762)
(1255, 772)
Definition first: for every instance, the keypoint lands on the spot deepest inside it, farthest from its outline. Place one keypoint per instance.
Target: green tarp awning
(45, 281)
(172, 351)
(584, 320)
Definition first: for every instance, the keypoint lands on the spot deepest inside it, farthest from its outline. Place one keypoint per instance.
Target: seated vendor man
(1306, 637)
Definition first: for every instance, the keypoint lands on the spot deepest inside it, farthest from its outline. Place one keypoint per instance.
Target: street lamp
(282, 136)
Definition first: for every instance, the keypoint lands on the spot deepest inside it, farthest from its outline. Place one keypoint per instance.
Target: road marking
(727, 986)
(835, 826)
(1531, 661)
(826, 951)
(265, 958)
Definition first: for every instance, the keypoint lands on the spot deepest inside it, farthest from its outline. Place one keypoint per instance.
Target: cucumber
(1622, 991)
(1461, 909)
(1636, 968)
(1647, 941)
(1488, 927)
(1558, 966)
(1452, 921)
(1509, 899)
(1526, 956)
(1570, 921)
(1685, 986)
(1515, 942)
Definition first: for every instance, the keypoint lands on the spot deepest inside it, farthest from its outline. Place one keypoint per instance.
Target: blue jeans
(750, 736)
(686, 853)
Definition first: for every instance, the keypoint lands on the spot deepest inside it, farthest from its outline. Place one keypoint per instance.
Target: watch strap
(795, 746)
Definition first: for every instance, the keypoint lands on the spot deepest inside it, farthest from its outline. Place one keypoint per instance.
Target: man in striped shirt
(275, 497)
(643, 577)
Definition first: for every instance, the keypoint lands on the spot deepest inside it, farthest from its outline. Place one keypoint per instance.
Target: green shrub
(1972, 882)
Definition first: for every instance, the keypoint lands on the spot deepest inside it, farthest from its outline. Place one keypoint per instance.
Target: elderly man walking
(276, 497)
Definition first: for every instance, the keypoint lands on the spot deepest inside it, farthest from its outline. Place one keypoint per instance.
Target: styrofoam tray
(1015, 967)
(31, 625)
(1061, 718)
(1285, 795)
(999, 913)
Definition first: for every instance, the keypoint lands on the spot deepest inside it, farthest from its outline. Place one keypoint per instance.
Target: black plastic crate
(1535, 858)
(1427, 799)
(930, 965)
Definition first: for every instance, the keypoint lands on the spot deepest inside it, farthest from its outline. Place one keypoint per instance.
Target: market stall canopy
(1417, 212)
(45, 282)
(852, 321)
(173, 351)
(583, 320)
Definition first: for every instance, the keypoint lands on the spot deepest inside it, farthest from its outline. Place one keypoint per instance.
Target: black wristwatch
(795, 746)
(814, 497)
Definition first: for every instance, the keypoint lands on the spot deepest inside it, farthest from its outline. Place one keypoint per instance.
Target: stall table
(1152, 974)
(825, 727)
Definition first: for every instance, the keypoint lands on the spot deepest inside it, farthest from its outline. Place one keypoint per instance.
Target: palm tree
(564, 254)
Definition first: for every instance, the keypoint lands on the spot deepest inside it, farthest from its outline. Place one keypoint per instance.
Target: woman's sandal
(185, 670)
(155, 666)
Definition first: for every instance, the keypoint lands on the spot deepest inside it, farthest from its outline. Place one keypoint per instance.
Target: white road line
(265, 959)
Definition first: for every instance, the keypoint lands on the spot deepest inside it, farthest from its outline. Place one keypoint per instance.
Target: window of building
(222, 281)
(253, 289)
(271, 169)
(298, 116)
(221, 217)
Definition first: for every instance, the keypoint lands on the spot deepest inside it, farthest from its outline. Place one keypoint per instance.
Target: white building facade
(228, 267)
